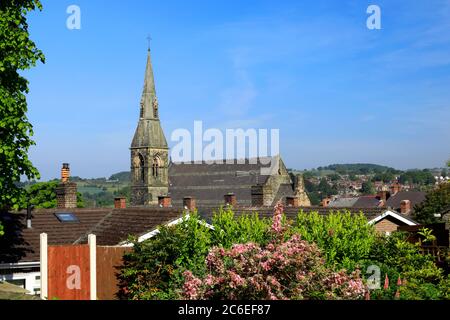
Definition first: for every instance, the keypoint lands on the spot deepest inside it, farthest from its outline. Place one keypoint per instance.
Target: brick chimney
(230, 199)
(292, 201)
(395, 188)
(261, 195)
(405, 207)
(120, 203)
(189, 203)
(383, 195)
(66, 191)
(165, 201)
(325, 202)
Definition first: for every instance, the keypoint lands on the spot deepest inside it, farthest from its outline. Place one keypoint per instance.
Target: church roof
(208, 183)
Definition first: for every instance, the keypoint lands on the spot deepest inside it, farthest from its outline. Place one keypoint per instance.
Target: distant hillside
(123, 176)
(361, 168)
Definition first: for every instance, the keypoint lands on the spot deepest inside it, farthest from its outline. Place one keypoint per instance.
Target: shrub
(153, 269)
(292, 269)
(344, 238)
(229, 229)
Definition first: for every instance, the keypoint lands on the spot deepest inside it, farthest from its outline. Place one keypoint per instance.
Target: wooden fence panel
(108, 261)
(68, 272)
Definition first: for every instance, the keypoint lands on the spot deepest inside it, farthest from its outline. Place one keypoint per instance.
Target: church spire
(149, 102)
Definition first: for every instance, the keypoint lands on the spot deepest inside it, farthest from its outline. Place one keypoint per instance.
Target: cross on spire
(149, 38)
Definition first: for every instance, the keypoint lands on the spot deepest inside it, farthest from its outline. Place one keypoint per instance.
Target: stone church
(154, 176)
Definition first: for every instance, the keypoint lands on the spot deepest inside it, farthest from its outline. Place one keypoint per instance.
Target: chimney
(65, 173)
(261, 195)
(29, 210)
(66, 191)
(383, 196)
(120, 203)
(292, 202)
(405, 206)
(230, 199)
(396, 187)
(325, 202)
(189, 203)
(165, 201)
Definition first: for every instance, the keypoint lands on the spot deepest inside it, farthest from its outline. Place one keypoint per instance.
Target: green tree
(17, 53)
(436, 201)
(42, 195)
(367, 188)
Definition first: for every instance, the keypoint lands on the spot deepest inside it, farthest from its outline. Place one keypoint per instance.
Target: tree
(42, 195)
(367, 188)
(17, 52)
(436, 201)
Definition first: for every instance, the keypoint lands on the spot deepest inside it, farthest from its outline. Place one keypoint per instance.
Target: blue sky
(338, 92)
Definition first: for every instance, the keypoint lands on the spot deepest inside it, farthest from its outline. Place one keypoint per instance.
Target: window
(155, 167)
(66, 217)
(141, 168)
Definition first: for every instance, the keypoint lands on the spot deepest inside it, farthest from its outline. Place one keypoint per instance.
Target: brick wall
(385, 226)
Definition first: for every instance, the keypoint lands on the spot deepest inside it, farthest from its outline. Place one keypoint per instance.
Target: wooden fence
(69, 272)
(80, 272)
(109, 259)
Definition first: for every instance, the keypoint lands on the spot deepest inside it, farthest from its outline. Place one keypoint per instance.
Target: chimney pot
(189, 203)
(292, 202)
(120, 203)
(65, 172)
(230, 199)
(165, 201)
(405, 206)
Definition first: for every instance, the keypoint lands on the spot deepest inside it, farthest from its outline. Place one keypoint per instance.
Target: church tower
(149, 150)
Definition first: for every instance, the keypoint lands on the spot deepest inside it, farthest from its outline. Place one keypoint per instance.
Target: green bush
(153, 270)
(344, 238)
(229, 230)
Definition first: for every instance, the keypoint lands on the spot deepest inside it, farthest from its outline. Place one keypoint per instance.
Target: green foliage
(367, 188)
(419, 177)
(229, 230)
(436, 201)
(385, 177)
(123, 176)
(42, 195)
(153, 270)
(325, 189)
(358, 168)
(345, 239)
(1, 230)
(155, 267)
(17, 52)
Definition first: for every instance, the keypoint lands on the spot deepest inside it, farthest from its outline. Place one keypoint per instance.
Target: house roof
(118, 224)
(343, 202)
(111, 226)
(367, 202)
(415, 197)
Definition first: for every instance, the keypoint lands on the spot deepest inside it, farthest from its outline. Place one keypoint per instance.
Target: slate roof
(343, 202)
(208, 183)
(111, 226)
(415, 197)
(367, 202)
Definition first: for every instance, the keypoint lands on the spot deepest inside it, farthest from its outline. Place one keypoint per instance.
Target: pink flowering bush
(292, 269)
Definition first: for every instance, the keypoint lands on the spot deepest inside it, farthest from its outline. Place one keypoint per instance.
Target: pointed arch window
(155, 167)
(141, 168)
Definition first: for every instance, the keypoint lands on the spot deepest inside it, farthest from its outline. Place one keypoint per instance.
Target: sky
(337, 91)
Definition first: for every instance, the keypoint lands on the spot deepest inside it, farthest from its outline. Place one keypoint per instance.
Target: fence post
(93, 265)
(44, 265)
